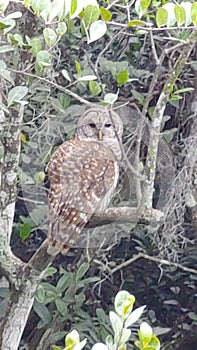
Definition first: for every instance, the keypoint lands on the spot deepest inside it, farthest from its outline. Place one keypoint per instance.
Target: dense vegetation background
(139, 58)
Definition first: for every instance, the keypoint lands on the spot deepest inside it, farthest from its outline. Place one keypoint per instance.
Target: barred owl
(83, 174)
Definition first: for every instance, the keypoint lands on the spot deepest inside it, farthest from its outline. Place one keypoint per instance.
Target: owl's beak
(100, 135)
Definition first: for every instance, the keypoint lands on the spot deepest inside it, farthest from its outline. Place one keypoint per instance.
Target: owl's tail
(61, 237)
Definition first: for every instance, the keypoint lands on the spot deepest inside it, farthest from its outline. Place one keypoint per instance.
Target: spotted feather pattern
(83, 176)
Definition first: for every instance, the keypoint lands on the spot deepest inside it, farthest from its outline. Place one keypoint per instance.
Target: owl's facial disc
(98, 125)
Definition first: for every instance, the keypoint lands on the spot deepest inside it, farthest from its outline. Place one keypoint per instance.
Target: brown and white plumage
(83, 174)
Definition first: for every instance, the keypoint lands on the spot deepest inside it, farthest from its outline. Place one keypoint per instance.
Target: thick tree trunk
(16, 316)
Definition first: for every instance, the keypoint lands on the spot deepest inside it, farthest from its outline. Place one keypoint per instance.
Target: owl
(83, 173)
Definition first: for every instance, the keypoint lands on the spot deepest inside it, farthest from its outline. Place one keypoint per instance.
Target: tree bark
(16, 315)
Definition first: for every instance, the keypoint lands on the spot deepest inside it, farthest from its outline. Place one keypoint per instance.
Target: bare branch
(42, 258)
(125, 215)
(152, 258)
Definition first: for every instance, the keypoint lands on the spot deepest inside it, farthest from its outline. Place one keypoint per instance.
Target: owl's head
(102, 126)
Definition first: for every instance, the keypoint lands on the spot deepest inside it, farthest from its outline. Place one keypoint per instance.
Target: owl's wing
(83, 176)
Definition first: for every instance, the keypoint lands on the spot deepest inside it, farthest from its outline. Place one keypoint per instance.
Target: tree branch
(155, 259)
(125, 215)
(157, 117)
(41, 259)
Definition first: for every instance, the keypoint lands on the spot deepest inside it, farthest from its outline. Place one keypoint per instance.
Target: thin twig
(133, 170)
(57, 86)
(154, 49)
(105, 49)
(155, 259)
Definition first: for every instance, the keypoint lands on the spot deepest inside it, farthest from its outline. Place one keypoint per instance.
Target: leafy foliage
(55, 53)
(120, 321)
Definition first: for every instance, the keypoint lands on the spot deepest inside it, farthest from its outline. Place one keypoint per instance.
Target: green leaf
(138, 8)
(64, 100)
(94, 88)
(43, 58)
(123, 77)
(39, 177)
(16, 94)
(55, 337)
(124, 303)
(64, 282)
(36, 45)
(41, 5)
(87, 78)
(187, 89)
(7, 76)
(106, 15)
(14, 15)
(136, 23)
(39, 214)
(56, 347)
(101, 315)
(42, 311)
(50, 271)
(154, 343)
(91, 14)
(25, 231)
(66, 75)
(179, 14)
(24, 178)
(122, 347)
(110, 98)
(134, 316)
(137, 344)
(73, 7)
(138, 96)
(19, 39)
(169, 7)
(4, 24)
(161, 17)
(97, 30)
(82, 270)
(45, 14)
(56, 9)
(109, 341)
(40, 294)
(116, 322)
(2, 66)
(6, 48)
(194, 13)
(51, 290)
(126, 333)
(61, 28)
(3, 5)
(145, 334)
(78, 68)
(50, 36)
(61, 306)
(192, 316)
(145, 4)
(27, 3)
(187, 7)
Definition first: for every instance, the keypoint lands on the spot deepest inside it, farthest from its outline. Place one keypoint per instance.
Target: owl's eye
(107, 125)
(92, 125)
